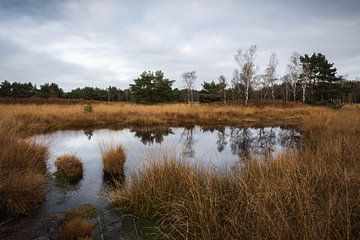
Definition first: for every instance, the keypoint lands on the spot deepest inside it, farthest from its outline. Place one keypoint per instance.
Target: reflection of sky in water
(221, 148)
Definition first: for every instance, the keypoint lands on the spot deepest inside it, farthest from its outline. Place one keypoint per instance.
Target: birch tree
(285, 80)
(222, 83)
(271, 72)
(268, 79)
(294, 70)
(189, 80)
(245, 60)
(305, 79)
(235, 84)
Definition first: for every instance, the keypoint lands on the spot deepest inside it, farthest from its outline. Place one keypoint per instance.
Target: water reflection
(219, 147)
(89, 133)
(151, 135)
(187, 139)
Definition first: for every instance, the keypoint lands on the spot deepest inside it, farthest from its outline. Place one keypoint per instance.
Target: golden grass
(313, 193)
(70, 167)
(114, 159)
(53, 117)
(22, 171)
(76, 229)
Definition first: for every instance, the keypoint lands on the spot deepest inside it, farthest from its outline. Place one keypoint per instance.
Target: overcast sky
(110, 42)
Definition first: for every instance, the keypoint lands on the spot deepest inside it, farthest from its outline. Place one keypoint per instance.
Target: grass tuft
(114, 159)
(69, 167)
(76, 229)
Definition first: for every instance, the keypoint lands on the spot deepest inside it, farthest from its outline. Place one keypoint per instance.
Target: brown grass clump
(114, 160)
(76, 229)
(309, 194)
(22, 171)
(70, 167)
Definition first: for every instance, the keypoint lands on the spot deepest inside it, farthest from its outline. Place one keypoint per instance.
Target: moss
(83, 211)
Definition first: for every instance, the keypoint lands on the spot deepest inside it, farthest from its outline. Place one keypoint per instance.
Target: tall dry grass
(22, 171)
(114, 159)
(313, 193)
(52, 117)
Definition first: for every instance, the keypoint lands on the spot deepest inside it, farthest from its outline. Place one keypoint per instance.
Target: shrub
(88, 108)
(69, 167)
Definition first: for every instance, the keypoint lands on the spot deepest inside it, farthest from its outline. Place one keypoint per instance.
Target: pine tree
(323, 82)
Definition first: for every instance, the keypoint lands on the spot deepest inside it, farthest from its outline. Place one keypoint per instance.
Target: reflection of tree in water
(188, 140)
(240, 142)
(150, 136)
(221, 139)
(266, 141)
(262, 141)
(89, 133)
(289, 138)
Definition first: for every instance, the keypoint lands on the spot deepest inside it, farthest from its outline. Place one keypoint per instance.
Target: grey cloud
(107, 42)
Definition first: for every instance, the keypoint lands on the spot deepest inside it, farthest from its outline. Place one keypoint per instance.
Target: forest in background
(309, 78)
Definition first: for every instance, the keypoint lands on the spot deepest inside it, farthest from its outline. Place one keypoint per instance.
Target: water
(220, 148)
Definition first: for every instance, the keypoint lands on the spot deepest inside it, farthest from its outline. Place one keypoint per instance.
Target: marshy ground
(311, 192)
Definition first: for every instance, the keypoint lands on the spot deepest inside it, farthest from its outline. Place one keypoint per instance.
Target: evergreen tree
(323, 82)
(50, 91)
(152, 87)
(22, 90)
(5, 89)
(211, 92)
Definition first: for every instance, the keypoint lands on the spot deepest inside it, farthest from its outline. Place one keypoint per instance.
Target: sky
(78, 43)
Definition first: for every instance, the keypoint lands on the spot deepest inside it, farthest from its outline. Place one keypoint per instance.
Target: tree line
(309, 78)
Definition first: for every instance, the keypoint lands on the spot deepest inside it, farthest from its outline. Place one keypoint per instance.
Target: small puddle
(219, 148)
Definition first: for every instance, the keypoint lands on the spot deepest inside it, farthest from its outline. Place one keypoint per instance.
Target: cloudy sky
(80, 43)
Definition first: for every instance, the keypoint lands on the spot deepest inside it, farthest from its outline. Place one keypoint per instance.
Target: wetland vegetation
(235, 196)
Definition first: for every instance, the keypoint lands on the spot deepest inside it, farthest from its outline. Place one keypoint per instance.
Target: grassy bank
(310, 194)
(48, 117)
(22, 171)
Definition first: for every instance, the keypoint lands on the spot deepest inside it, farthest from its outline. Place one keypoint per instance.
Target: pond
(220, 148)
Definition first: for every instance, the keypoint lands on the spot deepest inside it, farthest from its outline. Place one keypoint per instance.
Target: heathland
(310, 193)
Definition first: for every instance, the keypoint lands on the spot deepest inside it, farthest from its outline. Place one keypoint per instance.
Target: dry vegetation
(313, 193)
(114, 160)
(76, 229)
(310, 194)
(77, 223)
(69, 167)
(50, 117)
(22, 171)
